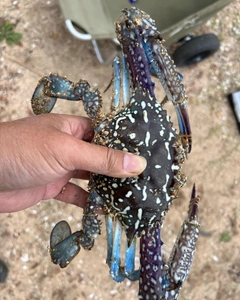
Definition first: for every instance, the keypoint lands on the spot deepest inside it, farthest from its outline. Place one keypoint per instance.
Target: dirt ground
(213, 165)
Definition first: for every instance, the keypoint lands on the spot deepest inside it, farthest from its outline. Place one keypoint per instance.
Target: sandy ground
(213, 164)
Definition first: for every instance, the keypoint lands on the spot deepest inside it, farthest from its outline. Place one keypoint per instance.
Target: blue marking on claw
(60, 87)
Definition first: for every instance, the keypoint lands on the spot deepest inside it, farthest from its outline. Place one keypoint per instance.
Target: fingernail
(134, 163)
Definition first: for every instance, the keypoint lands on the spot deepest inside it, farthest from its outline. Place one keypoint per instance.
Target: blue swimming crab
(140, 125)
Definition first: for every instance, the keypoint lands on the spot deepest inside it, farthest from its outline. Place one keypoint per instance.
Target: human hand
(40, 154)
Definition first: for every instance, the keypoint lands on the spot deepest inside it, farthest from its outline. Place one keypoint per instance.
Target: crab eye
(129, 24)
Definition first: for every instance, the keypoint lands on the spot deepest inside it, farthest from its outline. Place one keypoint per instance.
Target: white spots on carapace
(143, 104)
(145, 116)
(130, 117)
(168, 150)
(126, 209)
(137, 186)
(137, 224)
(164, 188)
(144, 193)
(132, 135)
(154, 142)
(147, 138)
(157, 166)
(175, 167)
(117, 122)
(129, 194)
(139, 215)
(161, 132)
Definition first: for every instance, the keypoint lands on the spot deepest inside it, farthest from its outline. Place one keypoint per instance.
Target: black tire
(196, 50)
(3, 271)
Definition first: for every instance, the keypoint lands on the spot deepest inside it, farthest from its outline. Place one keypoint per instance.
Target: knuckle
(111, 161)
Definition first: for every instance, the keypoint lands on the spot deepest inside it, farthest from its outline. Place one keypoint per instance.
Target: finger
(104, 160)
(95, 158)
(81, 174)
(80, 127)
(73, 194)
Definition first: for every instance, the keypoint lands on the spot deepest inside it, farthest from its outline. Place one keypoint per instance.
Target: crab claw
(41, 103)
(48, 90)
(64, 245)
(180, 261)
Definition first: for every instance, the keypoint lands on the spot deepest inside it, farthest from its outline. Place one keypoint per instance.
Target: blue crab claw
(48, 90)
(64, 246)
(41, 103)
(54, 86)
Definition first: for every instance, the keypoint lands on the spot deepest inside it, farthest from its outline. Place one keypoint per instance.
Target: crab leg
(151, 265)
(64, 245)
(131, 274)
(117, 70)
(116, 83)
(181, 257)
(54, 86)
(117, 272)
(162, 281)
(125, 81)
(165, 70)
(144, 51)
(48, 90)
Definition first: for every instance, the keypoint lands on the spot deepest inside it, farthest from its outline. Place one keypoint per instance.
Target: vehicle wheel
(195, 50)
(3, 271)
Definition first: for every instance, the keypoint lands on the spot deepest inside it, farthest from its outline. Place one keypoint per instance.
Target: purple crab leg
(131, 43)
(143, 49)
(160, 281)
(151, 265)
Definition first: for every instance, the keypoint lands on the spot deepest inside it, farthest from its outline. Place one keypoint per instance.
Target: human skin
(40, 154)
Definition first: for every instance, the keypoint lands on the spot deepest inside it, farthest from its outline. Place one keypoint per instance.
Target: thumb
(106, 161)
